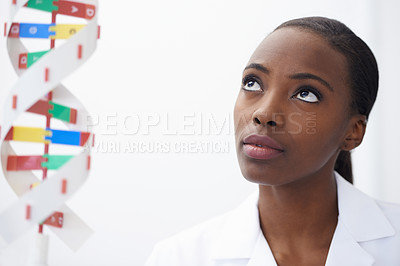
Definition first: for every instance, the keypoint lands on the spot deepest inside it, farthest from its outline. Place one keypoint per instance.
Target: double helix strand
(39, 91)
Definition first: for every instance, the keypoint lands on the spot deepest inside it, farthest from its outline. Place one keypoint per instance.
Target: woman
(306, 95)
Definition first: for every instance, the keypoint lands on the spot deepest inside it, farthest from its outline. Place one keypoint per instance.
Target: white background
(184, 58)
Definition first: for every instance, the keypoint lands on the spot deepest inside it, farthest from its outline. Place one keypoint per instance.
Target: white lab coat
(367, 233)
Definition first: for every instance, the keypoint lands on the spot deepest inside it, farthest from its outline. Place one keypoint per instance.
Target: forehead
(292, 50)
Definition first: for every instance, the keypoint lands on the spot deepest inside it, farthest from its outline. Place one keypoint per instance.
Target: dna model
(39, 92)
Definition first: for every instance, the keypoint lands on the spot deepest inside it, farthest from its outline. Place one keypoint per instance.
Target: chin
(259, 174)
(263, 172)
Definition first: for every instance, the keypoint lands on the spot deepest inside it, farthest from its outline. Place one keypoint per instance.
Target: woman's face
(295, 91)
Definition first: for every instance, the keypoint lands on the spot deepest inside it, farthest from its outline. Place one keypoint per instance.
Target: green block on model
(44, 5)
(54, 162)
(63, 113)
(33, 57)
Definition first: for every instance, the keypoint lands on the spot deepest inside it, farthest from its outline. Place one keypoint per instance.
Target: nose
(269, 112)
(270, 123)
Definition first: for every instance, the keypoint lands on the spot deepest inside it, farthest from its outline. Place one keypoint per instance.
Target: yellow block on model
(30, 134)
(65, 31)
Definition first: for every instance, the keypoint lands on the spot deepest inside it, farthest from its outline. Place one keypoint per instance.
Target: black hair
(362, 67)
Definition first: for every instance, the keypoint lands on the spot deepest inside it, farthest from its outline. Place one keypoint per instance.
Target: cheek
(311, 139)
(317, 135)
(241, 115)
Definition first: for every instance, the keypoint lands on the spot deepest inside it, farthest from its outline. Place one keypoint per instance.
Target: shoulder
(392, 209)
(197, 245)
(385, 250)
(192, 246)
(392, 213)
(367, 217)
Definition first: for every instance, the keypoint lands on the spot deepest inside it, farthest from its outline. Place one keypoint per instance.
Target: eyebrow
(258, 67)
(294, 76)
(311, 76)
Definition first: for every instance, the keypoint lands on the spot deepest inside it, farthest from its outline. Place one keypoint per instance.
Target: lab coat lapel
(345, 250)
(262, 254)
(239, 233)
(361, 214)
(241, 241)
(360, 219)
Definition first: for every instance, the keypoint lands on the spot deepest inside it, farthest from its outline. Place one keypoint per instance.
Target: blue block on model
(64, 137)
(41, 31)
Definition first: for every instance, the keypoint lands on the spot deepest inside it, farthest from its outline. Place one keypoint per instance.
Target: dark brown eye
(307, 96)
(251, 85)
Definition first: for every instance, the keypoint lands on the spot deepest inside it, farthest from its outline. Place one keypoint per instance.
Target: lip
(269, 148)
(262, 140)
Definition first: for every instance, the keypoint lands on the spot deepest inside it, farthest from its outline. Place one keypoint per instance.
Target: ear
(355, 132)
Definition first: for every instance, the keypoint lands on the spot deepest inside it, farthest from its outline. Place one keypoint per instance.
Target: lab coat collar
(239, 235)
(360, 214)
(360, 219)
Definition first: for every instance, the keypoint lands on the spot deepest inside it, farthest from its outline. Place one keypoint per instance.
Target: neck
(301, 213)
